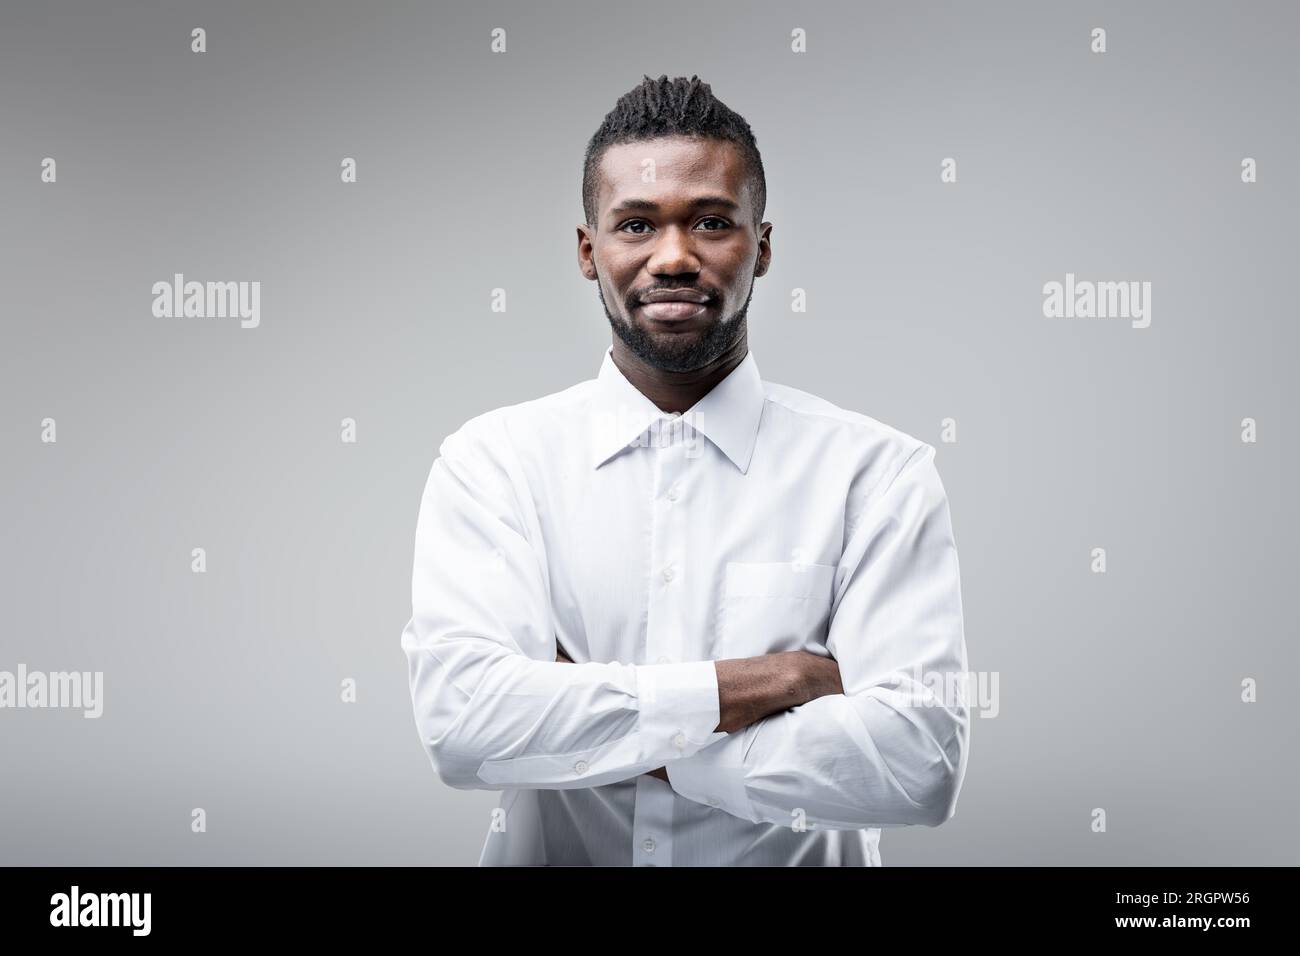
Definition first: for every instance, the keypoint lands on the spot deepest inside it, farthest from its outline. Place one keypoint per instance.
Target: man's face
(688, 234)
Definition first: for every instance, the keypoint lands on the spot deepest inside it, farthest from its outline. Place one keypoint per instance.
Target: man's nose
(674, 253)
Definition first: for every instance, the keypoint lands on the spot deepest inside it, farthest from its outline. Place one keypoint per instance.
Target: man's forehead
(683, 168)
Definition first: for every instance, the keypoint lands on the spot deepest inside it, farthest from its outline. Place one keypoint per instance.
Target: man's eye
(722, 224)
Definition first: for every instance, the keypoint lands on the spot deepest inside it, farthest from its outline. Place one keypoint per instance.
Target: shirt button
(674, 493)
(648, 845)
(580, 766)
(669, 572)
(713, 801)
(664, 660)
(680, 740)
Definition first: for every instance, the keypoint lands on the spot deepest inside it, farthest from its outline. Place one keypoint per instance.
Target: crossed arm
(752, 688)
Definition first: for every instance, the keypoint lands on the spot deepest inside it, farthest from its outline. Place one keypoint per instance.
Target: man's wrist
(751, 688)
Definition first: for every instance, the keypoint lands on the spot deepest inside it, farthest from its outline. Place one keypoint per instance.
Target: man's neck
(676, 391)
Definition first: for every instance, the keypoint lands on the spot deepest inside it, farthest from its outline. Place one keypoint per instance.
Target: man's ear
(586, 266)
(765, 238)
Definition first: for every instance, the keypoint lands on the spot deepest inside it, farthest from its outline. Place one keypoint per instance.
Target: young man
(678, 614)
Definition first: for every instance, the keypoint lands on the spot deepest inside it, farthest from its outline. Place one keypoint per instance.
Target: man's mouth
(673, 310)
(674, 305)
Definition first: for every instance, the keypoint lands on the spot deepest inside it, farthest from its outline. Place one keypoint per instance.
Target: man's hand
(821, 675)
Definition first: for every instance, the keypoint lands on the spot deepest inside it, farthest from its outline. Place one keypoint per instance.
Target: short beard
(690, 355)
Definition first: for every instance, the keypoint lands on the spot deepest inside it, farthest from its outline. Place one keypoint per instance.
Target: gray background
(1118, 691)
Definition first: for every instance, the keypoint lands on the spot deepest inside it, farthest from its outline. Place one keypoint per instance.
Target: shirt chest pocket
(770, 607)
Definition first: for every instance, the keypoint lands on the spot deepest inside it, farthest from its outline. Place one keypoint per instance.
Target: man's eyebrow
(645, 205)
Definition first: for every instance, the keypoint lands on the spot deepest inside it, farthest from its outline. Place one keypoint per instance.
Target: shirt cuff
(716, 776)
(680, 707)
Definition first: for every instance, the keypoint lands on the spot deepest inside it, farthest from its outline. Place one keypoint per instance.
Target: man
(678, 614)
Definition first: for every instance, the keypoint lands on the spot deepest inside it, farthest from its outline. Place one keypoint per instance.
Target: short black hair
(677, 107)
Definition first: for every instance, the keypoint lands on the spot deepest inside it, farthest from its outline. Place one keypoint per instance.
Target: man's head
(674, 193)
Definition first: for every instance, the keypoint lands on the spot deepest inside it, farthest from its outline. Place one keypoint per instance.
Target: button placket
(652, 836)
(652, 823)
(669, 562)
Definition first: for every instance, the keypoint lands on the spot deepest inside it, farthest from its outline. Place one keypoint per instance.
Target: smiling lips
(675, 305)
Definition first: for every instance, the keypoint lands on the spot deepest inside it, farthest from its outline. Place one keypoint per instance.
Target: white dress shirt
(650, 545)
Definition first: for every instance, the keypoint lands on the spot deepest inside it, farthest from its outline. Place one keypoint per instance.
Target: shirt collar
(728, 415)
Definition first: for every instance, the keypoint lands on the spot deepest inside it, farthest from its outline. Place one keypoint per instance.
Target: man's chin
(676, 339)
(670, 350)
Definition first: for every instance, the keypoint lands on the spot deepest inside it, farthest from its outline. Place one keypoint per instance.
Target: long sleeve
(891, 750)
(493, 708)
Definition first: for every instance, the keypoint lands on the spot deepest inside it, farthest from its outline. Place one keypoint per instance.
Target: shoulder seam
(846, 416)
